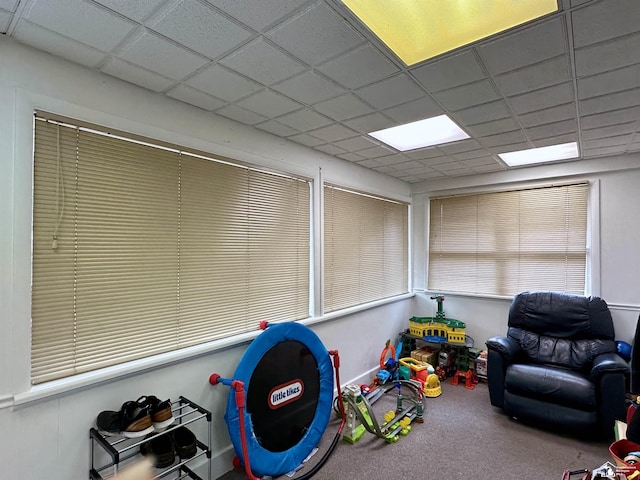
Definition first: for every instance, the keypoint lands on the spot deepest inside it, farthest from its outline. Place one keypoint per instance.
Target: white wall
(616, 240)
(44, 430)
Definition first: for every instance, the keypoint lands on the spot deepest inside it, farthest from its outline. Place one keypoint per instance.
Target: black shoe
(160, 411)
(161, 448)
(132, 421)
(184, 442)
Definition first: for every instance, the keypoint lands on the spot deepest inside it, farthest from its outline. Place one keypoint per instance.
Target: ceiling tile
(359, 67)
(258, 15)
(418, 170)
(222, 83)
(608, 56)
(467, 95)
(151, 52)
(545, 74)
(493, 128)
(602, 21)
(262, 62)
(610, 102)
(396, 159)
(610, 118)
(304, 120)
(449, 72)
(555, 140)
(82, 21)
(277, 128)
(306, 139)
(370, 163)
(552, 129)
(375, 152)
(418, 109)
(316, 35)
(343, 107)
(195, 97)
(611, 130)
(201, 29)
(356, 143)
(480, 161)
(607, 142)
(460, 146)
(484, 113)
(604, 151)
(496, 167)
(51, 42)
(531, 45)
(268, 103)
(609, 82)
(513, 147)
(330, 149)
(443, 160)
(370, 123)
(309, 88)
(351, 157)
(548, 115)
(424, 153)
(390, 92)
(134, 74)
(240, 114)
(138, 10)
(332, 133)
(502, 139)
(543, 98)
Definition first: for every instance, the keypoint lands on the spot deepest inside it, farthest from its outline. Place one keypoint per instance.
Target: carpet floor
(462, 437)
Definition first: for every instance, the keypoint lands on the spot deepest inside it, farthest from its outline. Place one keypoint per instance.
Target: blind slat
(507, 242)
(155, 250)
(366, 249)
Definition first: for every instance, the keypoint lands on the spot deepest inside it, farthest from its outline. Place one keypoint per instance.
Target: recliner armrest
(507, 347)
(608, 363)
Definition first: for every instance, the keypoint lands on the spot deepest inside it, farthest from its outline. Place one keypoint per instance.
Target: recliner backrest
(560, 329)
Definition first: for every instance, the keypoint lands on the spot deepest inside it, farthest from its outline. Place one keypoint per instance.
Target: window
(504, 243)
(365, 248)
(141, 249)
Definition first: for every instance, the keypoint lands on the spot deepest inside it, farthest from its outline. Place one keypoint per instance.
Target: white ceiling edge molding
(592, 166)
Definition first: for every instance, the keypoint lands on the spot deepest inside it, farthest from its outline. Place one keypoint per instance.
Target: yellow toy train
(438, 330)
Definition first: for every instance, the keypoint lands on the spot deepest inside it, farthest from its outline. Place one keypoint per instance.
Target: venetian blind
(365, 248)
(140, 250)
(504, 243)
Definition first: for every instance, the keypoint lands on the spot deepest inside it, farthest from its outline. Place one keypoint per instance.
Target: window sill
(110, 374)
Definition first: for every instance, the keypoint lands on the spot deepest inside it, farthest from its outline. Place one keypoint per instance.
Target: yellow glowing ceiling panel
(420, 29)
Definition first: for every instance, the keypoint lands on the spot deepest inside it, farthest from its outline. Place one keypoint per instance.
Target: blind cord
(59, 190)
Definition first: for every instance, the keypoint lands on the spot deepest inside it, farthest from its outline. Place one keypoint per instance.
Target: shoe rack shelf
(119, 449)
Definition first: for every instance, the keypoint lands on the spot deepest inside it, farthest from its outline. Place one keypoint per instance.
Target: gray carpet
(462, 437)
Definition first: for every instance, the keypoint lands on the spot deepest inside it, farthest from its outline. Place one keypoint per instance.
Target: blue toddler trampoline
(281, 399)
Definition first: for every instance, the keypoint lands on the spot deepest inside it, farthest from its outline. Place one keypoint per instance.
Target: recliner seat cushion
(558, 386)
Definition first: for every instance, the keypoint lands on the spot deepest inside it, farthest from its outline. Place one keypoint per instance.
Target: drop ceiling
(309, 72)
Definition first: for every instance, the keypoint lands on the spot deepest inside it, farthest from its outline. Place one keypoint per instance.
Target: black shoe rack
(110, 453)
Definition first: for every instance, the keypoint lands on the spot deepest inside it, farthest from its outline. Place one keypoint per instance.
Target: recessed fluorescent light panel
(420, 29)
(420, 134)
(552, 153)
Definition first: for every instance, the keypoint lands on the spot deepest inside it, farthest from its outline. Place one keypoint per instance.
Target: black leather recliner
(558, 366)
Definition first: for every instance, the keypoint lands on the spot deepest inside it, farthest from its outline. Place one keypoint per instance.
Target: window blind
(503, 243)
(365, 248)
(140, 250)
